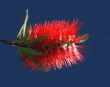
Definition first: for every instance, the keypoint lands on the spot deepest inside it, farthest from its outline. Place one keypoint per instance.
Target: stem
(12, 43)
(6, 42)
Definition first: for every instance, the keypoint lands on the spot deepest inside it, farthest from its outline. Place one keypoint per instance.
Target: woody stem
(6, 42)
(11, 43)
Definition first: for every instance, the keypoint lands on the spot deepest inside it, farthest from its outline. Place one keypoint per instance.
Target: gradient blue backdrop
(94, 72)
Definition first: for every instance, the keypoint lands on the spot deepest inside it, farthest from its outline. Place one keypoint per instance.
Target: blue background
(94, 72)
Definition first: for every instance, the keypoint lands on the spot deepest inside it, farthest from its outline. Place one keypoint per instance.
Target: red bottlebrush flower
(50, 45)
(59, 48)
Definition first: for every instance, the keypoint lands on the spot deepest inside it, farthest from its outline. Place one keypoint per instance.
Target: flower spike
(49, 45)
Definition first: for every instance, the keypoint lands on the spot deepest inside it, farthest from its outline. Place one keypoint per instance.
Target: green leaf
(27, 33)
(23, 27)
(41, 67)
(34, 40)
(30, 51)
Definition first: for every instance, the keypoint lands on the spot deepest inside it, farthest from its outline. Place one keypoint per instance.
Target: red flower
(49, 45)
(60, 47)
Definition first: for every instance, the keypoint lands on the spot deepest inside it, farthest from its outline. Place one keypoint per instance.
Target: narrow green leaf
(34, 40)
(23, 27)
(41, 67)
(30, 51)
(27, 33)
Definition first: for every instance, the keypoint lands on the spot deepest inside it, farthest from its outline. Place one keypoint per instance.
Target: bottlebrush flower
(50, 45)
